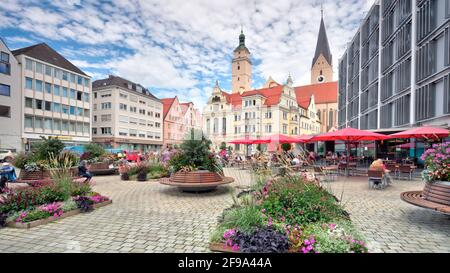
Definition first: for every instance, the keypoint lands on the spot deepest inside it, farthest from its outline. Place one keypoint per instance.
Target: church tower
(322, 64)
(241, 68)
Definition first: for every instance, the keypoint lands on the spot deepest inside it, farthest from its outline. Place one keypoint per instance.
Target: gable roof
(271, 95)
(124, 83)
(47, 54)
(323, 47)
(323, 92)
(167, 104)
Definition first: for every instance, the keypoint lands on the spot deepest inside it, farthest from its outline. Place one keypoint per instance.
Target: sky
(177, 47)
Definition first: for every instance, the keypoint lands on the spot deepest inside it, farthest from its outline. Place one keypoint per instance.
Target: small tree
(286, 147)
(94, 150)
(47, 147)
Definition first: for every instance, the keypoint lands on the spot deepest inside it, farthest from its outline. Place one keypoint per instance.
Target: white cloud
(183, 46)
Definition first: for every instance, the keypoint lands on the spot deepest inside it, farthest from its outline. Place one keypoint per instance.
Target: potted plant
(437, 164)
(194, 167)
(124, 169)
(142, 169)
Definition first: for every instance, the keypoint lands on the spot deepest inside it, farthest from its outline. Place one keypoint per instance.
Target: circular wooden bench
(435, 196)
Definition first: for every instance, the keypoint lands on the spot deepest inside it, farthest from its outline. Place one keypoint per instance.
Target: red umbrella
(423, 133)
(349, 135)
(276, 139)
(304, 138)
(244, 141)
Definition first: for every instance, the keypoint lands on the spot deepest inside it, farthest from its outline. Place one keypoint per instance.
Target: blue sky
(177, 47)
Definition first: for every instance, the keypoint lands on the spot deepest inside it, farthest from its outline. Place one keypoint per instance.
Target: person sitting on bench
(378, 165)
(83, 171)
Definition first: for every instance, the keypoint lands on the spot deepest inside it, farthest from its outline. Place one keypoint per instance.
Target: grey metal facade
(395, 72)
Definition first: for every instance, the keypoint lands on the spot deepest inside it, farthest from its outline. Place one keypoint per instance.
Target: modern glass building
(395, 73)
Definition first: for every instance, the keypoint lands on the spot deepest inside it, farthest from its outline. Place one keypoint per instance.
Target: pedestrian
(83, 171)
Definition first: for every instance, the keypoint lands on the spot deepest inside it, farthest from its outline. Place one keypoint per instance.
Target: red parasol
(276, 139)
(422, 133)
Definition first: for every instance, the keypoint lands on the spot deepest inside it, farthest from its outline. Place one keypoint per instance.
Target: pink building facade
(179, 119)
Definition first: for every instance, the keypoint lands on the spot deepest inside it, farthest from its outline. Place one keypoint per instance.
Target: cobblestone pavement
(144, 217)
(149, 217)
(389, 224)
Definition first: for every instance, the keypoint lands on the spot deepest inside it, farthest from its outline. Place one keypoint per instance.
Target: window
(5, 111)
(29, 122)
(48, 88)
(29, 83)
(65, 75)
(133, 121)
(79, 95)
(39, 68)
(94, 131)
(105, 95)
(57, 125)
(72, 93)
(65, 126)
(5, 66)
(48, 123)
(123, 119)
(48, 70)
(106, 117)
(133, 109)
(56, 107)
(28, 102)
(142, 111)
(85, 97)
(38, 123)
(86, 82)
(39, 86)
(65, 90)
(72, 78)
(133, 133)
(29, 64)
(48, 106)
(157, 115)
(80, 80)
(123, 96)
(65, 109)
(80, 111)
(56, 90)
(157, 125)
(123, 132)
(95, 95)
(122, 106)
(57, 73)
(72, 110)
(72, 127)
(5, 90)
(106, 105)
(106, 130)
(38, 104)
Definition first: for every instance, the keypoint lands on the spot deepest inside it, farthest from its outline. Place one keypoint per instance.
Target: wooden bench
(434, 196)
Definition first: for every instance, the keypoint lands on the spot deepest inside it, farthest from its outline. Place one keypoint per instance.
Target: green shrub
(69, 205)
(94, 150)
(294, 201)
(246, 219)
(81, 189)
(48, 146)
(20, 160)
(35, 215)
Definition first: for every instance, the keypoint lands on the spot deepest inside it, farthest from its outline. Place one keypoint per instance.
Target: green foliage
(20, 160)
(195, 154)
(223, 146)
(246, 219)
(217, 235)
(286, 147)
(157, 171)
(48, 146)
(294, 201)
(94, 150)
(35, 215)
(69, 205)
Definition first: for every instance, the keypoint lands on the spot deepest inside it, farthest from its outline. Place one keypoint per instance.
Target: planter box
(437, 192)
(51, 218)
(195, 177)
(220, 247)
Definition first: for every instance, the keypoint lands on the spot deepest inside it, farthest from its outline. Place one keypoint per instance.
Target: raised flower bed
(194, 167)
(287, 215)
(18, 223)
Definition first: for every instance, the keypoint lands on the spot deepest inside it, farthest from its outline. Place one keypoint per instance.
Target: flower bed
(48, 200)
(287, 215)
(53, 218)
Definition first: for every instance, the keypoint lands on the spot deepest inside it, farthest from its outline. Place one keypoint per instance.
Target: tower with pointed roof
(241, 68)
(322, 64)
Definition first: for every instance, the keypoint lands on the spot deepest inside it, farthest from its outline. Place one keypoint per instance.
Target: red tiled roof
(271, 95)
(167, 104)
(323, 92)
(304, 103)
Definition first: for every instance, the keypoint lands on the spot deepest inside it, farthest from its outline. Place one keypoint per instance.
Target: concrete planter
(220, 247)
(51, 218)
(198, 181)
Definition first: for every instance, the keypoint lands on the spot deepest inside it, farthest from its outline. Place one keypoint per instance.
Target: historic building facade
(275, 108)
(179, 120)
(126, 115)
(395, 73)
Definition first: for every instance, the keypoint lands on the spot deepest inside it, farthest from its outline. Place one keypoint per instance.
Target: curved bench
(434, 196)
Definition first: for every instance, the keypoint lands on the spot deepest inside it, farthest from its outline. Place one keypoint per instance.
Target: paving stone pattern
(149, 217)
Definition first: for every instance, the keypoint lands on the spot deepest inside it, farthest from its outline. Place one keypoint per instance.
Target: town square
(298, 127)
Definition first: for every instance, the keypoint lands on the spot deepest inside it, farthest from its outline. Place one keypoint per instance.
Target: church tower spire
(322, 64)
(241, 67)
